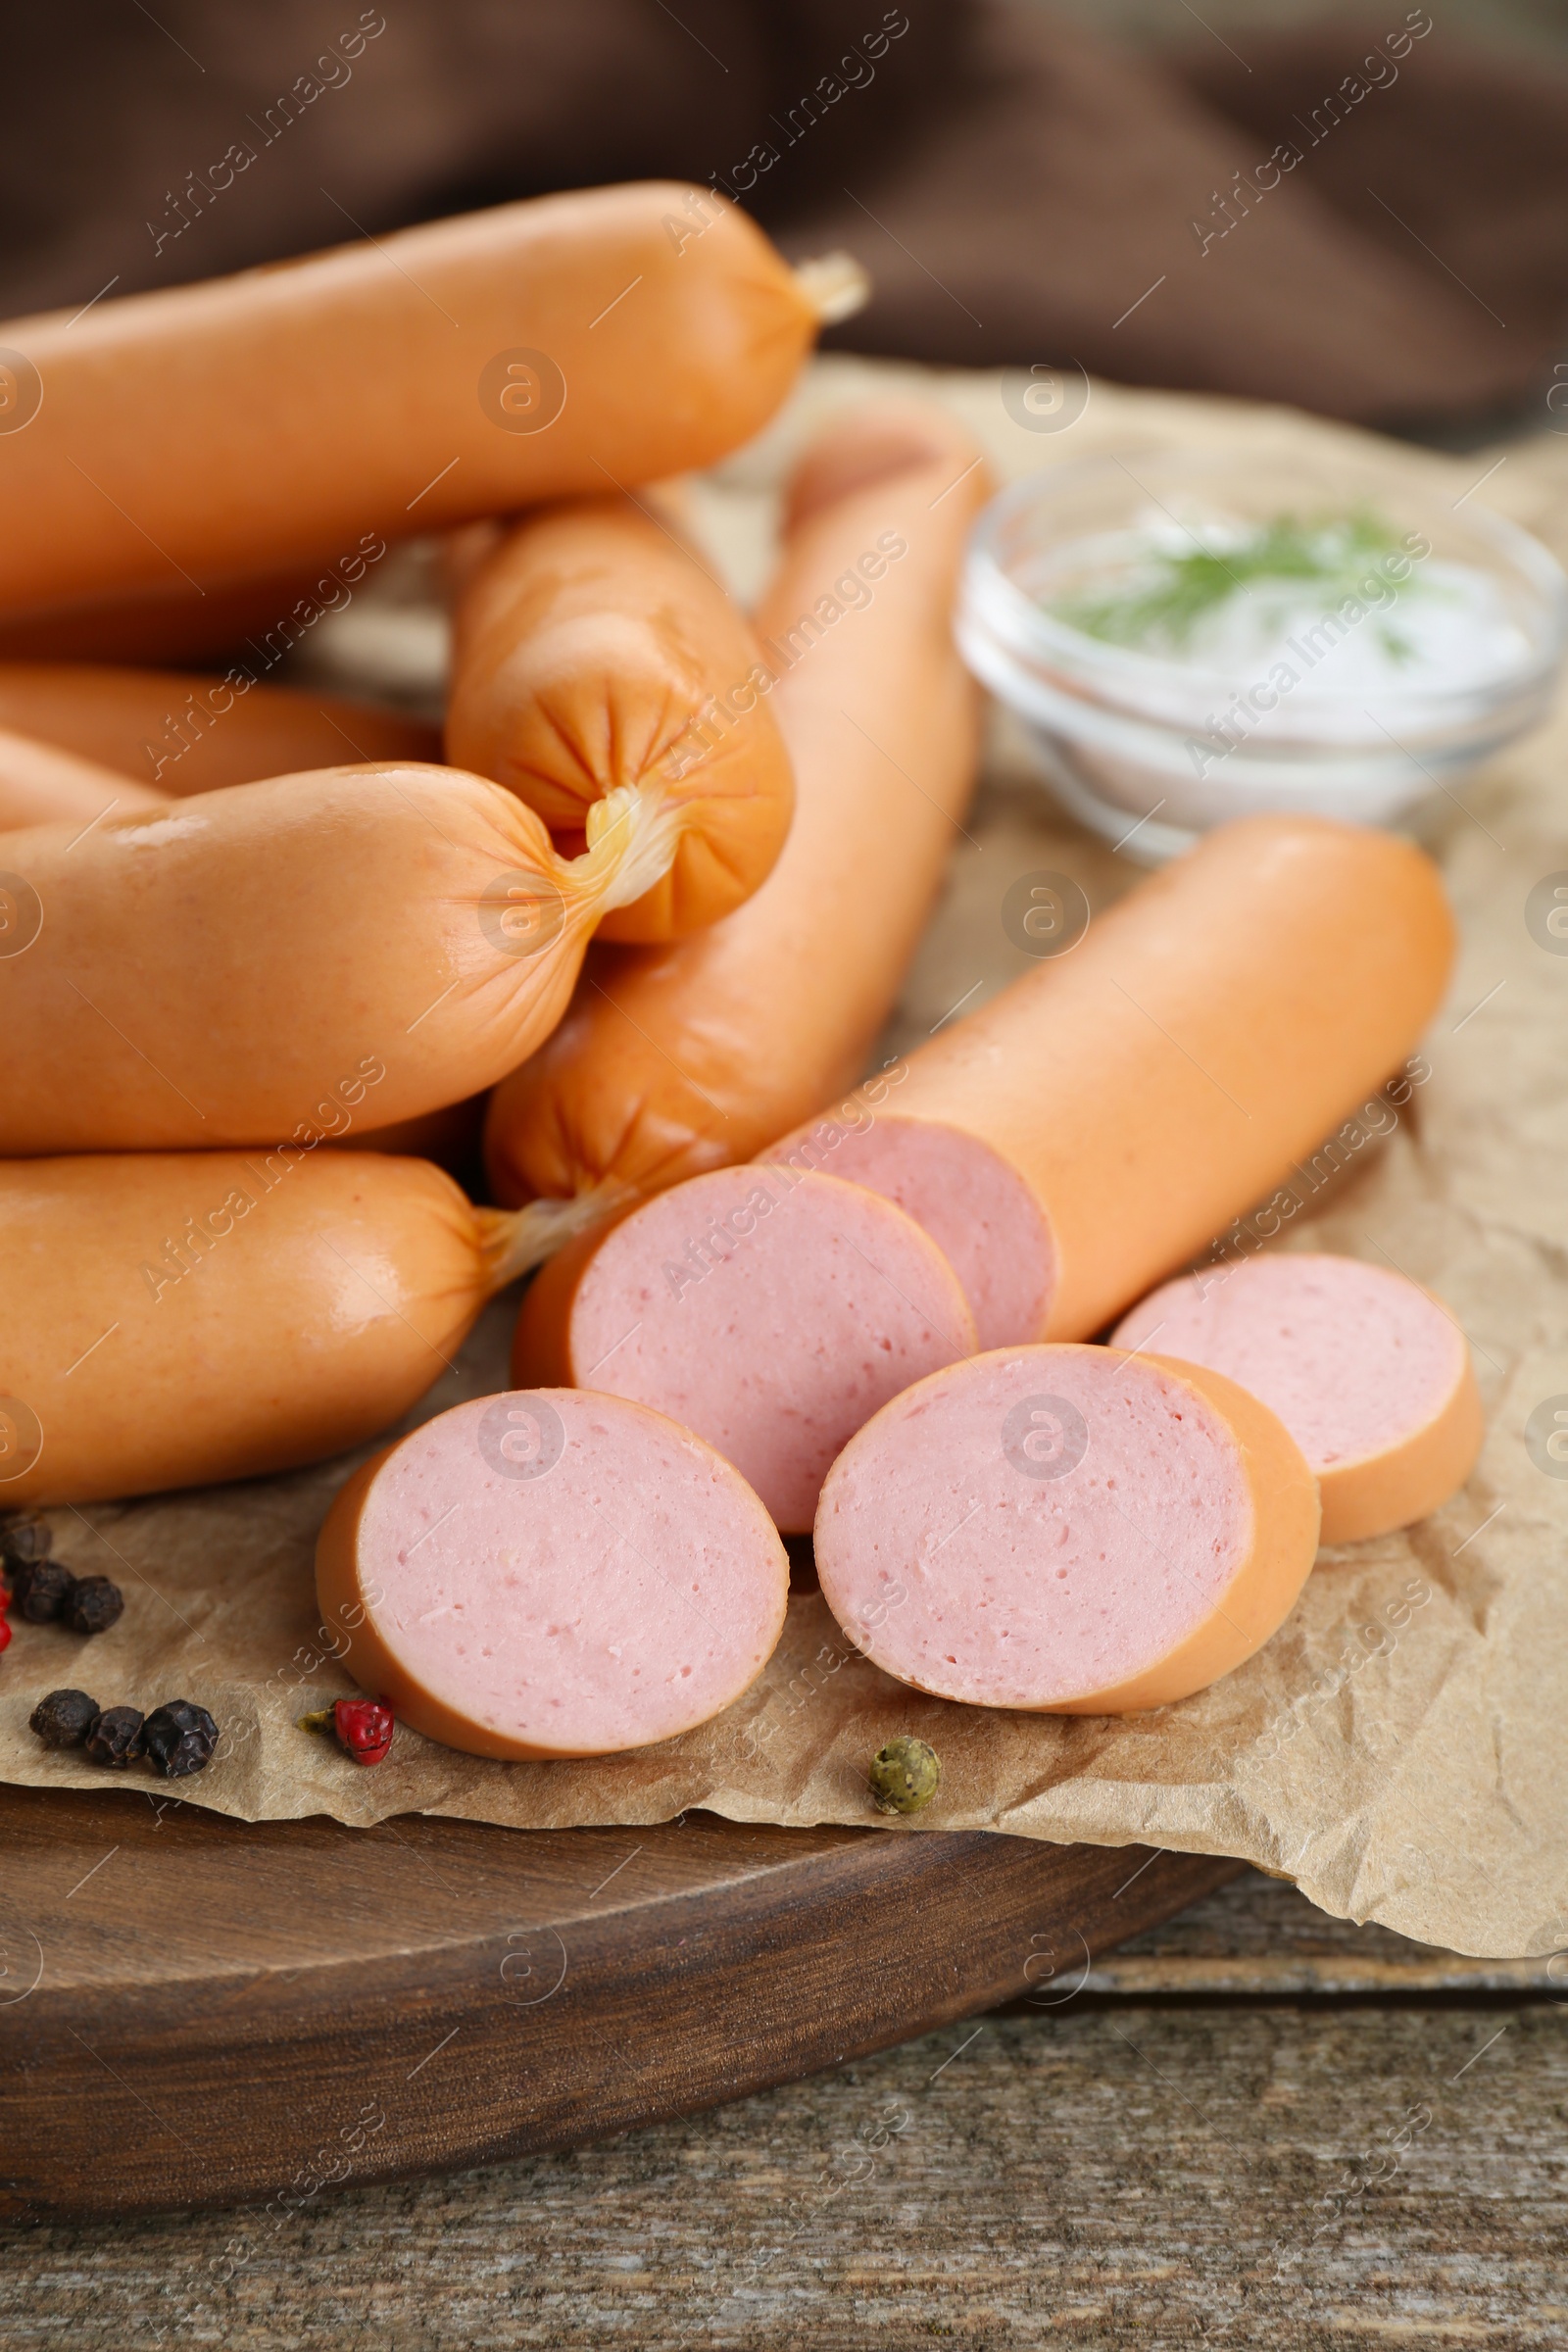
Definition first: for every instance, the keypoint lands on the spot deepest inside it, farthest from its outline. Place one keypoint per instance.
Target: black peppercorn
(180, 1737)
(116, 1737)
(40, 1590)
(23, 1537)
(93, 1605)
(64, 1718)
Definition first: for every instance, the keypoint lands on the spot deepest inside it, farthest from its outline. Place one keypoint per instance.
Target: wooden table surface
(1251, 2127)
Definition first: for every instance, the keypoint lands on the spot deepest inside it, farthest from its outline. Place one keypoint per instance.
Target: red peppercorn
(364, 1727)
(5, 1629)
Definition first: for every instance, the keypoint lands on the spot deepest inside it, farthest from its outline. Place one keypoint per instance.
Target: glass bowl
(1190, 637)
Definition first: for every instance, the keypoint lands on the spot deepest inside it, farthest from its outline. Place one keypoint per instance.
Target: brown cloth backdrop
(1021, 188)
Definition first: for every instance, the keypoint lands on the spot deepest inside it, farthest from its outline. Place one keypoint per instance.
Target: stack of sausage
(647, 922)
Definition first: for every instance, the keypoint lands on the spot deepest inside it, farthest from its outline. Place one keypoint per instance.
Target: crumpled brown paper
(1399, 1748)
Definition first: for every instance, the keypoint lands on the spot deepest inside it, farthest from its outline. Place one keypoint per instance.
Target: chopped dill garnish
(1171, 593)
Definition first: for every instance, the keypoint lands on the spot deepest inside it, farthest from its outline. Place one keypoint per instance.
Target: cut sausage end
(596, 655)
(515, 1241)
(835, 285)
(551, 1573)
(973, 1204)
(1068, 1530)
(769, 1312)
(1369, 1373)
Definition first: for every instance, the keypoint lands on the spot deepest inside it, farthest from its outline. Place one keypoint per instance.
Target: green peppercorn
(904, 1775)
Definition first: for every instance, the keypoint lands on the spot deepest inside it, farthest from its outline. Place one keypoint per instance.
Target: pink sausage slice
(1369, 1373)
(552, 1573)
(1068, 1530)
(771, 1313)
(975, 1206)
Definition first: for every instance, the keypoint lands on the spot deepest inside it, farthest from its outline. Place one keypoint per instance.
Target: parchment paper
(1399, 1748)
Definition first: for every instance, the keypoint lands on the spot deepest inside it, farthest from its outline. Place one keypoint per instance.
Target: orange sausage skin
(221, 969)
(1156, 1080)
(42, 785)
(171, 1319)
(182, 622)
(677, 1059)
(462, 368)
(177, 732)
(591, 651)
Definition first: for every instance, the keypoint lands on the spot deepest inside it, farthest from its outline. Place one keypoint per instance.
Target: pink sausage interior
(624, 1590)
(1354, 1358)
(771, 1313)
(975, 1206)
(1032, 1527)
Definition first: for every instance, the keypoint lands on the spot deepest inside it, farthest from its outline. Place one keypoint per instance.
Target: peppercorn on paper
(1400, 1747)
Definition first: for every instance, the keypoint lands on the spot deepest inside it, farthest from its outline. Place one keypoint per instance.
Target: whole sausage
(1108, 1113)
(591, 651)
(180, 621)
(177, 732)
(202, 974)
(1369, 1373)
(397, 384)
(41, 785)
(171, 1318)
(551, 1574)
(1068, 1530)
(676, 1060)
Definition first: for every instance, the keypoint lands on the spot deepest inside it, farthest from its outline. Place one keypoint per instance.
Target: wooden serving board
(197, 2011)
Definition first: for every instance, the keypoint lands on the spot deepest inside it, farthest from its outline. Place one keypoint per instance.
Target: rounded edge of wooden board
(275, 2086)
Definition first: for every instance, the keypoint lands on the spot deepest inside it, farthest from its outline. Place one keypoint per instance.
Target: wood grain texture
(196, 2010)
(1100, 2177)
(1258, 1939)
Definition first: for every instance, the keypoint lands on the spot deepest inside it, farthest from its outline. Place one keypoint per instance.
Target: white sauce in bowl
(1375, 618)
